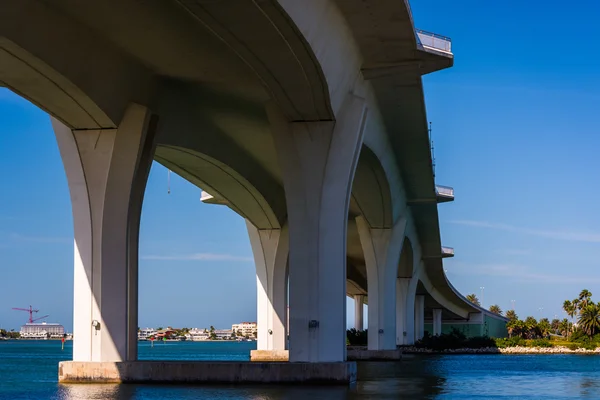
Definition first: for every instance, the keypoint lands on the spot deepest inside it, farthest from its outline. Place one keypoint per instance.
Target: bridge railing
(447, 251)
(434, 41)
(444, 190)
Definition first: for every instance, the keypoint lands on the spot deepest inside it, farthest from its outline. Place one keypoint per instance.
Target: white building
(42, 330)
(197, 335)
(245, 328)
(144, 334)
(223, 334)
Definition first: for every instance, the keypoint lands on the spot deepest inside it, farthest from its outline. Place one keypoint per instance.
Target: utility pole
(482, 289)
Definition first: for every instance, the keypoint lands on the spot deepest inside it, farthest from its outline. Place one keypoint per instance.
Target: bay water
(29, 370)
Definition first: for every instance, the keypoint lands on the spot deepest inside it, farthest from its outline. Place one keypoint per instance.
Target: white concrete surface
(437, 321)
(359, 303)
(318, 160)
(106, 172)
(419, 317)
(382, 249)
(271, 249)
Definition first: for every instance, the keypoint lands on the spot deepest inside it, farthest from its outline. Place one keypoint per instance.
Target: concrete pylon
(419, 317)
(318, 161)
(270, 248)
(382, 248)
(405, 310)
(107, 170)
(359, 302)
(437, 321)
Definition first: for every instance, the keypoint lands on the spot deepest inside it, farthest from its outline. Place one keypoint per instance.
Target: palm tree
(531, 328)
(584, 298)
(511, 315)
(555, 325)
(515, 327)
(571, 309)
(564, 327)
(544, 327)
(496, 309)
(473, 299)
(589, 319)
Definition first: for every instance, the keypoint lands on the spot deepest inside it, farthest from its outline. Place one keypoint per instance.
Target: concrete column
(270, 248)
(437, 321)
(405, 310)
(359, 302)
(107, 171)
(382, 248)
(318, 161)
(419, 317)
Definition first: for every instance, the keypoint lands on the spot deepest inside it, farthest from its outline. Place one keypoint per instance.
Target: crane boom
(30, 310)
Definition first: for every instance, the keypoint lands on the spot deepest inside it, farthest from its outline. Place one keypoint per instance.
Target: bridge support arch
(270, 248)
(107, 170)
(318, 161)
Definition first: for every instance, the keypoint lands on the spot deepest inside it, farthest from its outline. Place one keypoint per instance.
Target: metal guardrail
(444, 190)
(447, 251)
(434, 41)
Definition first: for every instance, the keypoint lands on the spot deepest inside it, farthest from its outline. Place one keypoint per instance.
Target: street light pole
(482, 304)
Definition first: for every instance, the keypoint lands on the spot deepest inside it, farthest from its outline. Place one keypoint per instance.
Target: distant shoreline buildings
(243, 331)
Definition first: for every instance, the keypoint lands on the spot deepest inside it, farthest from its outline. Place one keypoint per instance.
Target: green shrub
(510, 342)
(540, 343)
(356, 338)
(454, 340)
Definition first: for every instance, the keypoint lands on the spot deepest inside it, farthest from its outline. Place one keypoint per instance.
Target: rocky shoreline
(506, 350)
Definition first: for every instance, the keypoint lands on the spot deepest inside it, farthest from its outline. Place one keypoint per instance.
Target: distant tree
(544, 327)
(564, 327)
(515, 328)
(531, 328)
(589, 319)
(585, 298)
(511, 315)
(473, 299)
(496, 309)
(212, 328)
(160, 328)
(555, 325)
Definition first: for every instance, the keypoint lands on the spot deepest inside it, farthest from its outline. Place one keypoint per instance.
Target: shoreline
(505, 350)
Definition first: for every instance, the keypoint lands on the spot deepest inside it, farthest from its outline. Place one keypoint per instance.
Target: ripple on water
(29, 371)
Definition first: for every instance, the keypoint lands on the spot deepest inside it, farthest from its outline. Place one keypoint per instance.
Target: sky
(515, 126)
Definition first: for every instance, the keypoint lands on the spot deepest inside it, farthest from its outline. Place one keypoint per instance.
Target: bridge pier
(405, 310)
(359, 302)
(382, 248)
(318, 161)
(419, 317)
(270, 248)
(107, 171)
(437, 321)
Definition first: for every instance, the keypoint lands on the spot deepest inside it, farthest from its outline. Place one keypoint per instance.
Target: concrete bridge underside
(305, 118)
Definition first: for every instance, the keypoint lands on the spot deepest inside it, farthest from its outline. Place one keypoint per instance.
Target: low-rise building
(223, 334)
(244, 328)
(42, 330)
(197, 335)
(144, 334)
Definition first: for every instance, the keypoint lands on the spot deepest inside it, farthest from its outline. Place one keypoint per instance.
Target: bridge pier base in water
(206, 372)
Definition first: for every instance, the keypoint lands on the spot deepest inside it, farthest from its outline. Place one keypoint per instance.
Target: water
(28, 370)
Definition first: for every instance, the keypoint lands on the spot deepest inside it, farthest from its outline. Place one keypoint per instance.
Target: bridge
(305, 118)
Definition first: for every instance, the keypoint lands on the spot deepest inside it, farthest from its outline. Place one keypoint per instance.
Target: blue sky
(515, 124)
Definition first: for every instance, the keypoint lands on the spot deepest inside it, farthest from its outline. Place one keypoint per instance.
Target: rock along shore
(506, 350)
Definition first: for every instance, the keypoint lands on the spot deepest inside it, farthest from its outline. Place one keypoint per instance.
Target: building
(244, 328)
(197, 335)
(42, 330)
(144, 334)
(223, 334)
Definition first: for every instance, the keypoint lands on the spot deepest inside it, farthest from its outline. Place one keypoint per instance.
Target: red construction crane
(30, 310)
